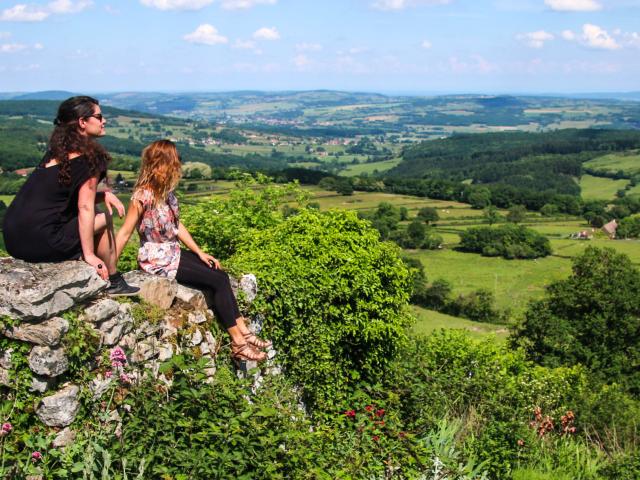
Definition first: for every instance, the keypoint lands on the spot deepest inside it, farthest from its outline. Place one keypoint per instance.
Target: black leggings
(195, 272)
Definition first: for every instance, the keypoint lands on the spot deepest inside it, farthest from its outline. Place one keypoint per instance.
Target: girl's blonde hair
(160, 169)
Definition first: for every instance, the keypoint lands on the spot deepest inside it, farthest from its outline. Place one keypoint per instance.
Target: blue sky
(410, 46)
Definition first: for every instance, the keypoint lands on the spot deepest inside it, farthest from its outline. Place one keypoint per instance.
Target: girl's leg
(104, 239)
(192, 271)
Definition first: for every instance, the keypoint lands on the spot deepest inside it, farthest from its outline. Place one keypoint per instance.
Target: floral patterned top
(159, 251)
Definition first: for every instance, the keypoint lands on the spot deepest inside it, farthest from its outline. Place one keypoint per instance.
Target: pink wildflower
(108, 374)
(35, 456)
(124, 378)
(380, 413)
(6, 429)
(375, 438)
(350, 413)
(369, 408)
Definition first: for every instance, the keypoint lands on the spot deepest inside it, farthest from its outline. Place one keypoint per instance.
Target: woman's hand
(210, 260)
(110, 201)
(99, 265)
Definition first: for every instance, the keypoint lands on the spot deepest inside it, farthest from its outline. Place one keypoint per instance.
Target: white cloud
(38, 46)
(536, 39)
(475, 64)
(308, 47)
(596, 37)
(177, 4)
(267, 33)
(12, 47)
(67, 6)
(24, 13)
(568, 35)
(632, 39)
(426, 44)
(244, 4)
(301, 61)
(205, 34)
(244, 44)
(402, 4)
(573, 5)
(4, 35)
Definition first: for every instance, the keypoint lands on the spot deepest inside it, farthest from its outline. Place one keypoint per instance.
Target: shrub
(333, 296)
(592, 318)
(508, 241)
(629, 227)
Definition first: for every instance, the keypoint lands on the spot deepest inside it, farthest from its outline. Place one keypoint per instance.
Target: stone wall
(34, 298)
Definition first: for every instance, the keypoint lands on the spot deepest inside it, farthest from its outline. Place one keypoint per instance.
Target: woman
(53, 216)
(154, 211)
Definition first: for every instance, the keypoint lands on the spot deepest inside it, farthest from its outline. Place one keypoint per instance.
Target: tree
(549, 210)
(416, 232)
(480, 198)
(592, 318)
(516, 214)
(428, 214)
(344, 187)
(491, 215)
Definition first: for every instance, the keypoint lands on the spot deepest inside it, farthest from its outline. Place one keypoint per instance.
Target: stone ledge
(38, 291)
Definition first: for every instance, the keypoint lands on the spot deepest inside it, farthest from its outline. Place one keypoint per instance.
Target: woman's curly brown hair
(66, 139)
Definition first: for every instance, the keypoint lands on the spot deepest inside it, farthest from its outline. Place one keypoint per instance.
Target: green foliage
(81, 343)
(491, 215)
(592, 318)
(629, 227)
(218, 226)
(516, 214)
(333, 296)
(508, 241)
(428, 214)
(128, 258)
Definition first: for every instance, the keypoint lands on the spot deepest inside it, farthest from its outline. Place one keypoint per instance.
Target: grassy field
(359, 169)
(513, 282)
(428, 321)
(597, 188)
(628, 162)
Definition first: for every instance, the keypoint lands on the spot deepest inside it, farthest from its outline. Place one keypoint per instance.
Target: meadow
(628, 162)
(598, 188)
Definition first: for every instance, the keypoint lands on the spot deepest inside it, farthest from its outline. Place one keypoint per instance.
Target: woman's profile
(53, 216)
(155, 213)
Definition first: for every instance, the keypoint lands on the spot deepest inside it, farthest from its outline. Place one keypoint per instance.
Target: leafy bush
(218, 226)
(333, 296)
(508, 241)
(592, 318)
(629, 227)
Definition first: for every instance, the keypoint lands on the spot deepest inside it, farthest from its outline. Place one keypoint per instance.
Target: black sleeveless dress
(41, 223)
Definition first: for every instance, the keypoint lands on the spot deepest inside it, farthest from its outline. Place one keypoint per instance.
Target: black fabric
(193, 271)
(41, 223)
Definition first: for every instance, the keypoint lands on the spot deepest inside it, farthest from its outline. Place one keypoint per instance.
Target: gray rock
(99, 385)
(145, 350)
(65, 437)
(128, 341)
(48, 361)
(248, 284)
(48, 332)
(101, 310)
(5, 359)
(147, 329)
(4, 377)
(196, 338)
(156, 290)
(113, 329)
(191, 296)
(41, 384)
(61, 408)
(41, 290)
(196, 318)
(165, 352)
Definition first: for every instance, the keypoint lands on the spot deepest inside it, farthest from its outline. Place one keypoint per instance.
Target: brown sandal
(251, 339)
(244, 351)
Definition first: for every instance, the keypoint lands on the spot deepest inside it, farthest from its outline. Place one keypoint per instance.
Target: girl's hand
(110, 201)
(210, 260)
(99, 265)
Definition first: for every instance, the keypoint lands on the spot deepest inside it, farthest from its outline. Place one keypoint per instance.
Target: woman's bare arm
(130, 221)
(86, 222)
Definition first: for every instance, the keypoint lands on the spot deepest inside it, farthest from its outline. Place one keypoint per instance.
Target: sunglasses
(97, 116)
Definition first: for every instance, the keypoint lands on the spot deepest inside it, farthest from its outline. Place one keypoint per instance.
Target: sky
(386, 46)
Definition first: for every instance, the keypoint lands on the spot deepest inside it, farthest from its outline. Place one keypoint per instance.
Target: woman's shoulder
(143, 195)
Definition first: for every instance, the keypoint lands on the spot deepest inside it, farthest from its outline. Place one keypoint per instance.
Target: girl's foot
(244, 351)
(251, 339)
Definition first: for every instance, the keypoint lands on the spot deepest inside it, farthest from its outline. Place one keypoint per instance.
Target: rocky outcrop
(38, 291)
(33, 297)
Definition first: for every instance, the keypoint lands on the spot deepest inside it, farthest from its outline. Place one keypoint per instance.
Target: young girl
(154, 212)
(53, 216)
